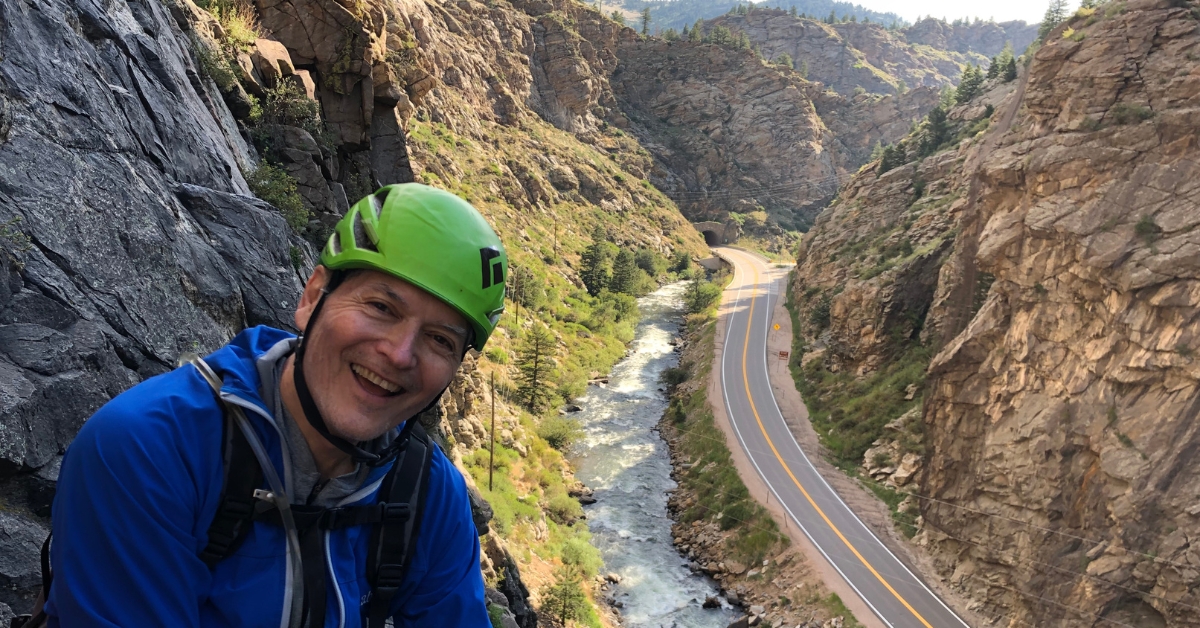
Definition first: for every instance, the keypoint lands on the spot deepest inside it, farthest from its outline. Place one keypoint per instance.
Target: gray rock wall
(126, 236)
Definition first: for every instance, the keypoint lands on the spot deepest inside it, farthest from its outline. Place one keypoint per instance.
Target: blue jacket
(139, 487)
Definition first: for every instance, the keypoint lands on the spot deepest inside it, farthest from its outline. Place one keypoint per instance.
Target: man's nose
(402, 345)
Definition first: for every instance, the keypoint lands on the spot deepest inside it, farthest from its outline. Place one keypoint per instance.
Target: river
(625, 461)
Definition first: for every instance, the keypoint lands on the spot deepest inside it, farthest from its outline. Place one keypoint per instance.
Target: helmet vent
(377, 201)
(335, 244)
(362, 238)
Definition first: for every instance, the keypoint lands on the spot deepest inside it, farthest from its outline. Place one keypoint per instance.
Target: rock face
(1059, 414)
(847, 56)
(720, 141)
(731, 134)
(984, 38)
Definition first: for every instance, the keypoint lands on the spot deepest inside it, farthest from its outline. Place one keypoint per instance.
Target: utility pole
(516, 276)
(492, 455)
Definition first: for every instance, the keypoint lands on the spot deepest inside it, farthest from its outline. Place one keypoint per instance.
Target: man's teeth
(375, 379)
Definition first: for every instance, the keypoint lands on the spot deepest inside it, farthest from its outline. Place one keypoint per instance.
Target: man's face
(380, 351)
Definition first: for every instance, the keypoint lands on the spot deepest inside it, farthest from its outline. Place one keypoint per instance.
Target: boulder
(20, 562)
(272, 61)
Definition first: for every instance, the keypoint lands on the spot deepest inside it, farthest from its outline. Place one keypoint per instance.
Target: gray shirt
(305, 484)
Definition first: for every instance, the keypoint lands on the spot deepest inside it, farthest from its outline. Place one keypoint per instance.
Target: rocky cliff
(985, 38)
(848, 55)
(133, 133)
(731, 133)
(1045, 266)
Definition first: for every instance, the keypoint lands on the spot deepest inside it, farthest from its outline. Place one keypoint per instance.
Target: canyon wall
(1047, 265)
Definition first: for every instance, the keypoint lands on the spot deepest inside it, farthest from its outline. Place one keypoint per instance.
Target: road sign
(776, 325)
(783, 355)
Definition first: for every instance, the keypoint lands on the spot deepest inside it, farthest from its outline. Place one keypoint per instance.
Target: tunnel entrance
(711, 238)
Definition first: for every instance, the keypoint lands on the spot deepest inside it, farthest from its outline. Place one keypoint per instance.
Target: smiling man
(303, 493)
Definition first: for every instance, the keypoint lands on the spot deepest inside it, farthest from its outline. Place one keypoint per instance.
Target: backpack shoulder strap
(402, 496)
(241, 476)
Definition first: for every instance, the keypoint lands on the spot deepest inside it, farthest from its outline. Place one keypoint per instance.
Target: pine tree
(893, 157)
(686, 34)
(832, 19)
(680, 261)
(565, 598)
(645, 21)
(624, 275)
(785, 60)
(993, 68)
(1010, 70)
(1055, 14)
(535, 361)
(671, 35)
(594, 263)
(936, 131)
(792, 11)
(802, 69)
(618, 17)
(968, 86)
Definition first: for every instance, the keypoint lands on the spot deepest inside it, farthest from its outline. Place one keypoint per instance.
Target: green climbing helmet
(431, 239)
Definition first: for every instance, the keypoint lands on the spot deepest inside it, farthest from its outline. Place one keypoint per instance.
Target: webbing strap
(242, 476)
(308, 517)
(407, 484)
(312, 549)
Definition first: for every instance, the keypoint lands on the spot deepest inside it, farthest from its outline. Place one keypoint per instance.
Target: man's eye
(444, 341)
(379, 305)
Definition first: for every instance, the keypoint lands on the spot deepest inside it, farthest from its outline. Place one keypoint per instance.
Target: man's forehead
(403, 292)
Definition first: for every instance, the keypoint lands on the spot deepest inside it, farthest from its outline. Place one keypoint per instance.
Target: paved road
(892, 591)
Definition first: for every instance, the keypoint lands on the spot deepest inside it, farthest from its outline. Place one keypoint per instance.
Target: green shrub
(564, 509)
(819, 316)
(1125, 113)
(1147, 229)
(580, 553)
(496, 615)
(496, 355)
(275, 186)
(288, 105)
(700, 296)
(559, 431)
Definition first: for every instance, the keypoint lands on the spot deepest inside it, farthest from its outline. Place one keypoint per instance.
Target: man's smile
(374, 382)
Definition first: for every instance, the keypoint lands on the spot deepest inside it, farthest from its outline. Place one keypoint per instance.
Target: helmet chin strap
(313, 414)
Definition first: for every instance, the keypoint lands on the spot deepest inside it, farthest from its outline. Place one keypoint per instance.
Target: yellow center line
(746, 381)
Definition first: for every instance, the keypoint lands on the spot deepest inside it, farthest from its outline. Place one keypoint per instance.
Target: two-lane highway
(889, 588)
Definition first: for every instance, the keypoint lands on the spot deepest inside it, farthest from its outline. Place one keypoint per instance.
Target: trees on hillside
(624, 273)
(618, 17)
(645, 21)
(700, 295)
(937, 131)
(594, 263)
(535, 361)
(894, 155)
(969, 85)
(1055, 14)
(565, 599)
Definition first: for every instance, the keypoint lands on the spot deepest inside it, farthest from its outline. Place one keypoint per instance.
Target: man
(410, 280)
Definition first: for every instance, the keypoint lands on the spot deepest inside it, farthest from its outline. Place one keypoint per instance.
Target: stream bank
(721, 530)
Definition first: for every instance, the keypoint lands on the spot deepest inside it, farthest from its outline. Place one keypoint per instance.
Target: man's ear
(310, 297)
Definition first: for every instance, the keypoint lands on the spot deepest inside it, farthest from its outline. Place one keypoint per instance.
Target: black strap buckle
(394, 513)
(389, 576)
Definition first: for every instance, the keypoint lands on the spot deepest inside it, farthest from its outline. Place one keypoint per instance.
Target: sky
(1028, 10)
